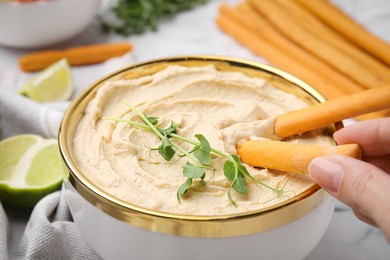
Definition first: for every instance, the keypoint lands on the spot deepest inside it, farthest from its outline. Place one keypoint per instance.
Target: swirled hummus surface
(226, 107)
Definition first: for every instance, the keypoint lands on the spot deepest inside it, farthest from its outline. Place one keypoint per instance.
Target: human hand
(364, 184)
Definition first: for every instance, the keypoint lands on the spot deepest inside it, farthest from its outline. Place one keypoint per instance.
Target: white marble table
(195, 32)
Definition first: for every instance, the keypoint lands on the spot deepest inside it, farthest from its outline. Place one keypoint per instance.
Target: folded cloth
(50, 233)
(23, 115)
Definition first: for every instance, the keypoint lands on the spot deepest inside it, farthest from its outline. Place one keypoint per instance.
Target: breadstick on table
(348, 27)
(249, 18)
(83, 55)
(334, 110)
(339, 60)
(280, 59)
(315, 26)
(289, 157)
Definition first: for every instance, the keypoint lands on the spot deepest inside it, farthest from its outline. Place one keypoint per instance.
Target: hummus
(226, 107)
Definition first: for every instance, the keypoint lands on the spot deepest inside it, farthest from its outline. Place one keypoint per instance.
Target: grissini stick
(310, 22)
(261, 32)
(279, 17)
(350, 29)
(289, 157)
(271, 52)
(292, 157)
(334, 110)
(76, 56)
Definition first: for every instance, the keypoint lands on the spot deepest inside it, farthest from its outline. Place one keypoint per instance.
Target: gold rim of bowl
(190, 225)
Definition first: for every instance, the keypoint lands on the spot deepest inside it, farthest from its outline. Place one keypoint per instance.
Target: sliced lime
(54, 83)
(30, 168)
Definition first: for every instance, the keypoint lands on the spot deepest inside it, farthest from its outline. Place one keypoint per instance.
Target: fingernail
(326, 172)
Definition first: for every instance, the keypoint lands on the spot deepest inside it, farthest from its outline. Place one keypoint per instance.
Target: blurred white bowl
(43, 23)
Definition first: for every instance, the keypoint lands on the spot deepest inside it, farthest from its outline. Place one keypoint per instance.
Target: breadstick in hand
(334, 110)
(289, 157)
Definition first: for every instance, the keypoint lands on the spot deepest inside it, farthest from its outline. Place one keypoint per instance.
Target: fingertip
(327, 172)
(376, 132)
(341, 136)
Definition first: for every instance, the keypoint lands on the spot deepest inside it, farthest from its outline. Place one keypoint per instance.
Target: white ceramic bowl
(43, 23)
(119, 230)
(114, 239)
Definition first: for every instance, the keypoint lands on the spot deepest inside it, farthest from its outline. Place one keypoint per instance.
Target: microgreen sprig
(200, 157)
(135, 17)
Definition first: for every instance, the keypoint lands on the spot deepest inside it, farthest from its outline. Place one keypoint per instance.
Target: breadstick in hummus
(289, 157)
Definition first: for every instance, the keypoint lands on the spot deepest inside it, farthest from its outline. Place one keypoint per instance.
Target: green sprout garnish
(200, 158)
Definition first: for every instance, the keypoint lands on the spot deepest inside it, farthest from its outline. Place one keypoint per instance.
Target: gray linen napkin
(3, 234)
(50, 233)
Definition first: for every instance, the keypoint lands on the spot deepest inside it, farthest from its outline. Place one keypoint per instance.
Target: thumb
(360, 185)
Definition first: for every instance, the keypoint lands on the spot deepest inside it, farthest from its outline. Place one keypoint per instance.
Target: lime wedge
(54, 83)
(30, 168)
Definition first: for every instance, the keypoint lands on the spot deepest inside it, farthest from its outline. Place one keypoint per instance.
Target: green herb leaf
(234, 172)
(241, 168)
(193, 171)
(184, 188)
(239, 184)
(152, 119)
(203, 151)
(229, 170)
(165, 149)
(169, 130)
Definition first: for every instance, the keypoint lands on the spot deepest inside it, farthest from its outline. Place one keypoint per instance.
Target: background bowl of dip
(43, 23)
(119, 229)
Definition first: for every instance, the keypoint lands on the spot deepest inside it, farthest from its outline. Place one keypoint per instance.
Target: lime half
(30, 168)
(54, 83)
